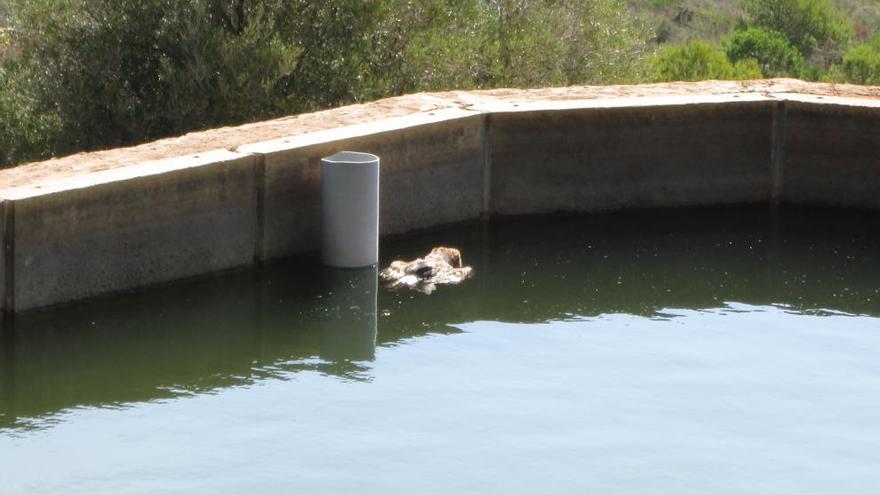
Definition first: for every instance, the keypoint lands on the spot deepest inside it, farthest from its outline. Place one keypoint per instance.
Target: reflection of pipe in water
(349, 322)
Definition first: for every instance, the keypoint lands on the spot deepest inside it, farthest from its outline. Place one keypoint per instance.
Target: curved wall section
(637, 157)
(831, 155)
(105, 222)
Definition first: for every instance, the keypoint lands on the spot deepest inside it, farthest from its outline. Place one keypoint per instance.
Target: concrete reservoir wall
(82, 234)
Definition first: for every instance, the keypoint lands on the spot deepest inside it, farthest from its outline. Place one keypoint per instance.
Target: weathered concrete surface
(417, 105)
(599, 159)
(832, 155)
(431, 174)
(229, 138)
(120, 235)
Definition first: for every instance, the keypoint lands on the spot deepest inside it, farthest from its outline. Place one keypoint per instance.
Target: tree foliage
(559, 42)
(698, 60)
(120, 72)
(87, 74)
(807, 24)
(24, 133)
(491, 43)
(114, 72)
(862, 64)
(771, 49)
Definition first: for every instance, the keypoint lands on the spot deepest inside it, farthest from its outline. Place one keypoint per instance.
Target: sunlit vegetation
(90, 74)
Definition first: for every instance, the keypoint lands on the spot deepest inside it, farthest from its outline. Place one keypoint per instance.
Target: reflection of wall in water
(7, 375)
(251, 324)
(534, 270)
(191, 338)
(135, 348)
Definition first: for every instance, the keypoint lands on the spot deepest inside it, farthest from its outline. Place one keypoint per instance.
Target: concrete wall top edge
(829, 100)
(143, 169)
(444, 115)
(650, 101)
(358, 130)
(201, 148)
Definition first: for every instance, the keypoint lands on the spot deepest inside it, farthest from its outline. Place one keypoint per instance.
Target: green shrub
(443, 44)
(861, 65)
(114, 72)
(833, 74)
(118, 72)
(771, 49)
(6, 43)
(25, 135)
(698, 60)
(808, 24)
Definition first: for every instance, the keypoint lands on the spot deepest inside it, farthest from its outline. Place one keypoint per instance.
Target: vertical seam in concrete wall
(487, 166)
(777, 154)
(9, 258)
(260, 200)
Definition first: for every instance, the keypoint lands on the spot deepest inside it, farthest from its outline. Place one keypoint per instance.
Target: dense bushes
(88, 74)
(112, 72)
(492, 43)
(24, 133)
(771, 49)
(119, 72)
(807, 39)
(862, 64)
(790, 38)
(807, 24)
(698, 60)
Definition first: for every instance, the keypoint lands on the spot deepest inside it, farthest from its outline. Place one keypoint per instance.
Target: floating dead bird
(441, 266)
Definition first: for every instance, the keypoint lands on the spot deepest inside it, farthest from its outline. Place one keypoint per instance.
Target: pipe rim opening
(352, 157)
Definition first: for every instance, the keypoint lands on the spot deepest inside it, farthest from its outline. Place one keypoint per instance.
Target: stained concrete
(5, 253)
(606, 158)
(832, 155)
(120, 235)
(103, 227)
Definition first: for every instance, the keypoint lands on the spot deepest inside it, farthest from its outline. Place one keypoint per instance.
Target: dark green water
(691, 351)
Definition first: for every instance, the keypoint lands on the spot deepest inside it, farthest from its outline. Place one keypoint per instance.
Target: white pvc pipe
(350, 210)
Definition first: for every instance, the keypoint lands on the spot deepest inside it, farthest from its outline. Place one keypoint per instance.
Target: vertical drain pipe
(350, 210)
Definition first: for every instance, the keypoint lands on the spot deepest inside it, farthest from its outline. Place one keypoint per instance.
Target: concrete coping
(201, 148)
(133, 171)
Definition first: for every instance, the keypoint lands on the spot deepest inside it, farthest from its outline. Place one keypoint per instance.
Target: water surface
(687, 351)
